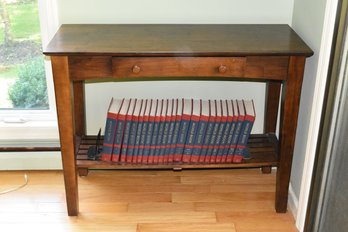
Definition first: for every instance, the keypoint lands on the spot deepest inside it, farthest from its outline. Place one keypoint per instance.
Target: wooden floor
(145, 201)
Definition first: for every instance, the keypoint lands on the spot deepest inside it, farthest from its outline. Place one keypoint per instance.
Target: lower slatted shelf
(263, 150)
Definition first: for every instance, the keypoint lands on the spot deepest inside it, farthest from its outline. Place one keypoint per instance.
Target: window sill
(32, 133)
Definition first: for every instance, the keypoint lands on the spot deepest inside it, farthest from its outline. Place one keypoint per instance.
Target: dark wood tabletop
(177, 40)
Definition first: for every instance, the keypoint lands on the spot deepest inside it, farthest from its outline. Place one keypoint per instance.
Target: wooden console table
(273, 54)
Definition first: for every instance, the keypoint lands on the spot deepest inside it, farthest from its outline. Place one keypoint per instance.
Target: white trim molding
(292, 201)
(319, 92)
(30, 161)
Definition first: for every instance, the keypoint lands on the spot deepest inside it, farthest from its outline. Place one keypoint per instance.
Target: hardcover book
(127, 130)
(249, 118)
(133, 131)
(184, 126)
(116, 152)
(110, 128)
(201, 131)
(137, 150)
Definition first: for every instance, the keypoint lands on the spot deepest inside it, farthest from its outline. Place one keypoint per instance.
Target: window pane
(22, 72)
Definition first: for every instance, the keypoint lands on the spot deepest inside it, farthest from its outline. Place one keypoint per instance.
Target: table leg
(288, 122)
(64, 100)
(272, 105)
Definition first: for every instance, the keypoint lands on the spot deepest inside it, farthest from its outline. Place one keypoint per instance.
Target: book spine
(109, 135)
(124, 146)
(153, 145)
(227, 139)
(201, 131)
(143, 138)
(212, 141)
(137, 144)
(159, 146)
(184, 125)
(214, 157)
(222, 140)
(132, 137)
(233, 145)
(148, 140)
(191, 136)
(206, 141)
(240, 153)
(176, 130)
(116, 152)
(165, 144)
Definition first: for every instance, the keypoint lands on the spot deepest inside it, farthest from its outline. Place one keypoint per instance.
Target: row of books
(158, 131)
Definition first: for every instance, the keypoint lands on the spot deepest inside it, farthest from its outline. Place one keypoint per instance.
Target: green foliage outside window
(29, 89)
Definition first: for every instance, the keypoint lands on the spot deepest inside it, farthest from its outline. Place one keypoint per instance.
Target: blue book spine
(136, 154)
(153, 141)
(222, 142)
(212, 142)
(148, 139)
(131, 143)
(243, 140)
(165, 144)
(206, 141)
(116, 152)
(228, 141)
(172, 138)
(125, 142)
(109, 134)
(201, 130)
(189, 144)
(238, 127)
(143, 137)
(184, 125)
(214, 156)
(157, 157)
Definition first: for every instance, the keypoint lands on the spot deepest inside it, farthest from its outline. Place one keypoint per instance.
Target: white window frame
(17, 126)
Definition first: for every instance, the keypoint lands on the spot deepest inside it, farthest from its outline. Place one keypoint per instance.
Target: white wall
(169, 11)
(308, 21)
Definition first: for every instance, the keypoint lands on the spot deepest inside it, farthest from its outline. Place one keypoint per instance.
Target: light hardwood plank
(236, 206)
(159, 207)
(258, 221)
(187, 227)
(221, 197)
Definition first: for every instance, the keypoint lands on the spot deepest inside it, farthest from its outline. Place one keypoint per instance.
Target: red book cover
(168, 129)
(110, 128)
(163, 132)
(192, 130)
(237, 156)
(127, 128)
(233, 132)
(208, 131)
(121, 118)
(214, 119)
(216, 132)
(230, 117)
(145, 140)
(130, 158)
(137, 150)
(222, 135)
(161, 117)
(184, 126)
(151, 139)
(177, 119)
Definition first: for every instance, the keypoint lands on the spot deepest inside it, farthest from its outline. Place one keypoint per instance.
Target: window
(26, 86)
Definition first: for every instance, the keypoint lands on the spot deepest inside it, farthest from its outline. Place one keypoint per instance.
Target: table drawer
(178, 66)
(272, 67)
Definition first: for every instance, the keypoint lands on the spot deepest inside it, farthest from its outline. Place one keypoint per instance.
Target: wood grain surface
(145, 201)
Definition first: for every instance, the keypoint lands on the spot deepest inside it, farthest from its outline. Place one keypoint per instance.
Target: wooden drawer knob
(222, 69)
(136, 69)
